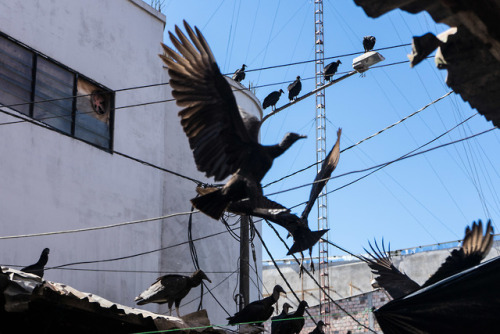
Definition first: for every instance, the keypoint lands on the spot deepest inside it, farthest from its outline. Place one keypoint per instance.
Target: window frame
(76, 76)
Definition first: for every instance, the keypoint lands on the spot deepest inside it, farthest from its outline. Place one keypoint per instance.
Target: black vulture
(369, 43)
(293, 322)
(319, 328)
(331, 69)
(223, 142)
(272, 99)
(38, 267)
(171, 289)
(475, 247)
(275, 321)
(239, 75)
(294, 89)
(258, 311)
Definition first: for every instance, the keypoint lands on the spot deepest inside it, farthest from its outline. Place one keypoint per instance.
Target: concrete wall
(51, 182)
(350, 278)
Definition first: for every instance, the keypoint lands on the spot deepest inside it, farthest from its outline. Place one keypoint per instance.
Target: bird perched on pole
(224, 142)
(258, 311)
(319, 328)
(272, 99)
(294, 89)
(293, 322)
(239, 74)
(331, 69)
(277, 319)
(475, 247)
(171, 289)
(369, 43)
(38, 267)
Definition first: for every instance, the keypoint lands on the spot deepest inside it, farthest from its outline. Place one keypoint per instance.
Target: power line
(361, 141)
(138, 254)
(97, 227)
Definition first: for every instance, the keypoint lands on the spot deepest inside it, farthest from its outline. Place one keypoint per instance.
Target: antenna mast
(324, 302)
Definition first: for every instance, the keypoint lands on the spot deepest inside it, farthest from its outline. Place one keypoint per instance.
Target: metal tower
(320, 156)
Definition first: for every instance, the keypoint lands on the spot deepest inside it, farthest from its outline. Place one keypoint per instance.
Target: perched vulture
(223, 142)
(258, 311)
(275, 321)
(171, 289)
(37, 268)
(369, 43)
(272, 99)
(293, 322)
(294, 89)
(475, 247)
(319, 328)
(239, 75)
(331, 69)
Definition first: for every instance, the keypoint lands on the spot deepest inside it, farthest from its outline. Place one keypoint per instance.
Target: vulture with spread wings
(475, 247)
(223, 140)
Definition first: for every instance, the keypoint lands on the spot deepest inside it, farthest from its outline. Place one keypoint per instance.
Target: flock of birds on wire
(224, 141)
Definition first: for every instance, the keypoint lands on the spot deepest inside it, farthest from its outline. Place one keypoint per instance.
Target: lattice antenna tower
(324, 302)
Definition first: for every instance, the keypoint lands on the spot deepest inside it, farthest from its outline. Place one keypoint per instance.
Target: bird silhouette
(294, 89)
(369, 43)
(331, 69)
(239, 74)
(319, 328)
(293, 322)
(275, 321)
(171, 289)
(258, 311)
(38, 267)
(224, 143)
(272, 99)
(475, 246)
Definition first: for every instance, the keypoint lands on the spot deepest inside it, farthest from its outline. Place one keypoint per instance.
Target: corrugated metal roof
(20, 290)
(472, 55)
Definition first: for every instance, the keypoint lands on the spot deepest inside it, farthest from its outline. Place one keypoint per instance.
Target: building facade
(84, 107)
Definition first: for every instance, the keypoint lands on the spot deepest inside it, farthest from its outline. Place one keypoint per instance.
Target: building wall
(51, 182)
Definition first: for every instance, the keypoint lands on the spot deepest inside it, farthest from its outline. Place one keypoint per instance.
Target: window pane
(15, 75)
(53, 82)
(93, 110)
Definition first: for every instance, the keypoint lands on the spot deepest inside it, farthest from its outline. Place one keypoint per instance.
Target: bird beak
(208, 279)
(302, 136)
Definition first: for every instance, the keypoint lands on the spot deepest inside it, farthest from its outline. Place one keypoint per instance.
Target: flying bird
(37, 268)
(475, 247)
(272, 99)
(331, 69)
(224, 143)
(294, 89)
(319, 328)
(258, 311)
(369, 43)
(275, 321)
(171, 289)
(293, 322)
(239, 75)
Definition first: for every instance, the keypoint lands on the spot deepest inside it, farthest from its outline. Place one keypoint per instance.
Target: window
(54, 94)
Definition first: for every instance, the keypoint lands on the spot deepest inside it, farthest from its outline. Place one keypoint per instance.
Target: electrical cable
(312, 277)
(97, 227)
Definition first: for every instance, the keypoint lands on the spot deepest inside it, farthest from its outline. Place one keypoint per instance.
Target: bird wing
(210, 117)
(396, 283)
(327, 168)
(475, 247)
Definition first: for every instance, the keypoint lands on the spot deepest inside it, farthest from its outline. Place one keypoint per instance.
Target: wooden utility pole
(244, 261)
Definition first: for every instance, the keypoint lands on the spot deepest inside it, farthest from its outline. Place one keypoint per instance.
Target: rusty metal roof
(472, 55)
(29, 297)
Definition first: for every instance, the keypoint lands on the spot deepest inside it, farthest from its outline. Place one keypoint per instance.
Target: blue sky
(423, 200)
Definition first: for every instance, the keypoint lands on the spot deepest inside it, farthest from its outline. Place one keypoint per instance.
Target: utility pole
(324, 301)
(244, 261)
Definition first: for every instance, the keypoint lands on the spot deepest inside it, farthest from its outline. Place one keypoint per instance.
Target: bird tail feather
(305, 239)
(212, 204)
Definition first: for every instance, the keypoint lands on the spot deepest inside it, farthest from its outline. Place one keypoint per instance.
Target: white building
(69, 175)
